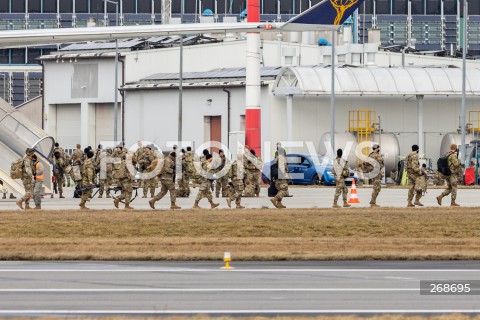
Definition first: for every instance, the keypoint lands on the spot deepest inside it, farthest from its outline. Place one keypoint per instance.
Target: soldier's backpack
(16, 169)
(442, 166)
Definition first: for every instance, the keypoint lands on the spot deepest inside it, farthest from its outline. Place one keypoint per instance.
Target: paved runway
(302, 198)
(147, 288)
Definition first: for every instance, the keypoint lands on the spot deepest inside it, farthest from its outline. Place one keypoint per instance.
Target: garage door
(104, 123)
(68, 125)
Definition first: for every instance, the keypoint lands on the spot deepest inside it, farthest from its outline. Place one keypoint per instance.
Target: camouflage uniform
(281, 183)
(59, 174)
(222, 182)
(250, 171)
(166, 181)
(377, 180)
(105, 157)
(123, 178)
(27, 178)
(183, 183)
(88, 173)
(205, 190)
(189, 158)
(340, 171)
(144, 162)
(237, 186)
(77, 160)
(415, 180)
(452, 180)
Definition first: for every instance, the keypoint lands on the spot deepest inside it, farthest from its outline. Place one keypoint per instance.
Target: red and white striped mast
(253, 116)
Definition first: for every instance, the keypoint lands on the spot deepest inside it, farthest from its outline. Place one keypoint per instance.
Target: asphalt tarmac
(252, 288)
(302, 197)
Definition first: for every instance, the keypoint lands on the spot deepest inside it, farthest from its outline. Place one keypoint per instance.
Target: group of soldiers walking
(416, 176)
(104, 168)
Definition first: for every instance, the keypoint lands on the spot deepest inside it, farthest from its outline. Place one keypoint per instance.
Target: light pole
(115, 105)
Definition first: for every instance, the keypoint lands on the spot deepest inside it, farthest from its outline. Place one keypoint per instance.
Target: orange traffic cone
(353, 193)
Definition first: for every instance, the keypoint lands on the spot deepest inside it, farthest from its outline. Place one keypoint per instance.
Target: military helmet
(29, 151)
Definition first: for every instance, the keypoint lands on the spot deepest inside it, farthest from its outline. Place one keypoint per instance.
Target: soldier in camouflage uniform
(77, 160)
(59, 172)
(250, 171)
(281, 180)
(452, 180)
(376, 168)
(222, 182)
(105, 178)
(414, 176)
(340, 171)
(183, 181)
(166, 180)
(189, 158)
(28, 171)
(122, 177)
(205, 190)
(237, 185)
(144, 162)
(88, 174)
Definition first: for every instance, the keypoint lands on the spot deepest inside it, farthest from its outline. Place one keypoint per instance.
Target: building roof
(377, 81)
(215, 78)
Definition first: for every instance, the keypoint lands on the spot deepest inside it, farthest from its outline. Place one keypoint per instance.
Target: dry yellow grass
(310, 234)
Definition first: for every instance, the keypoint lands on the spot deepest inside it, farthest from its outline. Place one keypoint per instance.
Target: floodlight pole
(115, 104)
(463, 148)
(332, 96)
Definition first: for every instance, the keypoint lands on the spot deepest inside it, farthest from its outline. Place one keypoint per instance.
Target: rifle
(79, 191)
(120, 189)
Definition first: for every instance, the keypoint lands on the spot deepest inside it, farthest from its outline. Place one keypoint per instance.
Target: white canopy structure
(425, 81)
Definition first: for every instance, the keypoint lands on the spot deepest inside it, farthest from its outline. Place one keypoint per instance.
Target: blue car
(308, 169)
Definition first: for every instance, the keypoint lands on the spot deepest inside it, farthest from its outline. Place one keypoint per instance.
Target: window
(18, 56)
(239, 6)
(383, 6)
(450, 7)
(144, 6)
(157, 6)
(368, 7)
(208, 4)
(286, 7)
(433, 7)
(474, 8)
(34, 6)
(81, 6)
(190, 6)
(49, 6)
(418, 7)
(4, 6)
(400, 7)
(128, 6)
(4, 57)
(269, 7)
(97, 6)
(33, 54)
(18, 6)
(66, 6)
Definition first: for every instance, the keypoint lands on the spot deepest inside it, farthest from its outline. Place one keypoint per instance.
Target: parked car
(308, 169)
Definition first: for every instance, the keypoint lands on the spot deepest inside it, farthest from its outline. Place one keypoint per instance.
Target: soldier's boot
(144, 195)
(20, 203)
(152, 195)
(174, 206)
(217, 195)
(82, 207)
(108, 196)
(152, 203)
(345, 204)
(257, 192)
(213, 205)
(116, 202)
(27, 206)
(280, 205)
(417, 202)
(335, 204)
(274, 202)
(38, 207)
(4, 196)
(439, 200)
(410, 204)
(196, 206)
(239, 206)
(229, 202)
(127, 207)
(454, 204)
(374, 205)
(12, 196)
(100, 195)
(61, 195)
